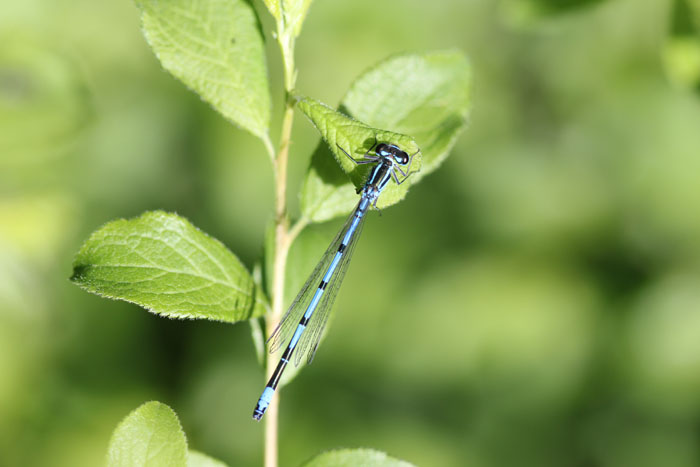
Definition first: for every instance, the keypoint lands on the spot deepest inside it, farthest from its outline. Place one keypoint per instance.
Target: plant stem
(283, 236)
(287, 40)
(282, 244)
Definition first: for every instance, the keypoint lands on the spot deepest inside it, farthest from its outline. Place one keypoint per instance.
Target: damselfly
(316, 297)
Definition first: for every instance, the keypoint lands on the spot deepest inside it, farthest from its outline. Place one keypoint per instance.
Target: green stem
(287, 43)
(283, 235)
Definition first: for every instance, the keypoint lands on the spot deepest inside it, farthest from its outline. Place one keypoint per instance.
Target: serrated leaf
(197, 459)
(425, 96)
(216, 48)
(355, 457)
(149, 436)
(163, 263)
(295, 13)
(355, 137)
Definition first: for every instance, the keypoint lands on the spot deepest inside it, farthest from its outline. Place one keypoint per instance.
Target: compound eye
(401, 157)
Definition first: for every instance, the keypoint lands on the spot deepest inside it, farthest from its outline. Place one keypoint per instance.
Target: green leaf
(294, 14)
(327, 191)
(197, 459)
(354, 457)
(425, 96)
(163, 263)
(216, 48)
(356, 138)
(149, 436)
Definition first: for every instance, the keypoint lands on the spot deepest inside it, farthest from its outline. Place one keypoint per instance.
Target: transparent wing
(312, 337)
(285, 329)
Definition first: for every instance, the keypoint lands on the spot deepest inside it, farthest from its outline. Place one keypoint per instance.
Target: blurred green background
(539, 304)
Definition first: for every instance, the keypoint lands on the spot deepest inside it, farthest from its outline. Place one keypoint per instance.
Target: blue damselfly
(304, 321)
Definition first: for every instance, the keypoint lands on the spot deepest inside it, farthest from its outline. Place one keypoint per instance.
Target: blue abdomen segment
(263, 403)
(308, 333)
(297, 335)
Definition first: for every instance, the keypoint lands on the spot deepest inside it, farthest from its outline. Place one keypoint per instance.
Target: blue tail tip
(258, 414)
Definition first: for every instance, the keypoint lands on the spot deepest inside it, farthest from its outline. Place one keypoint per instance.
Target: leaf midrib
(171, 271)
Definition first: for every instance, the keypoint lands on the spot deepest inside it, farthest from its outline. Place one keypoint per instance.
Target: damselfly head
(393, 151)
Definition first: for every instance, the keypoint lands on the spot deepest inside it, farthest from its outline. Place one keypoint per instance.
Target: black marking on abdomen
(322, 285)
(341, 248)
(275, 378)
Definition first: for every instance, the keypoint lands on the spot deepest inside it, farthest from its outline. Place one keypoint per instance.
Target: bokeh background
(534, 302)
